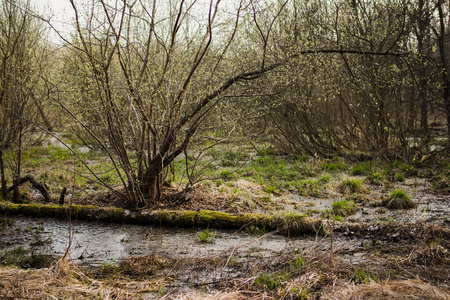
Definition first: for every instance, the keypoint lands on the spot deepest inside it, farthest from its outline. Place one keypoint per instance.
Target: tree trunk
(16, 179)
(2, 174)
(151, 185)
(421, 34)
(444, 68)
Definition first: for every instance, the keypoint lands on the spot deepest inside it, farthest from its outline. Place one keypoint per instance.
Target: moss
(248, 218)
(216, 219)
(296, 224)
(188, 217)
(176, 218)
(291, 224)
(183, 218)
(114, 214)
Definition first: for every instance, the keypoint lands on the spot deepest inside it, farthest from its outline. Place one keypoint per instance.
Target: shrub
(409, 170)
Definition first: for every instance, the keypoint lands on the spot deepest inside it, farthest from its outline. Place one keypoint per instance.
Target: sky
(59, 12)
(59, 7)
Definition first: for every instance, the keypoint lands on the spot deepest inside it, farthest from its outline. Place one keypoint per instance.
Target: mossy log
(289, 225)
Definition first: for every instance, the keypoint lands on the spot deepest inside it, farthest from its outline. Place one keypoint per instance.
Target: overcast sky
(59, 11)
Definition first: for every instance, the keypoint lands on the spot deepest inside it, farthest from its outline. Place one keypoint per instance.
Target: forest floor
(369, 251)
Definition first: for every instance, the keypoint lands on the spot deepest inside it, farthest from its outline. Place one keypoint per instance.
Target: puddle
(95, 243)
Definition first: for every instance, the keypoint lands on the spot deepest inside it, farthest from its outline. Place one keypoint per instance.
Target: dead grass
(321, 271)
(63, 281)
(391, 290)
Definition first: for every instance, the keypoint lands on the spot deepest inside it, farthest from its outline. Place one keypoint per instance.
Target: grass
(351, 186)
(281, 172)
(206, 236)
(253, 229)
(308, 187)
(364, 276)
(26, 259)
(324, 178)
(399, 177)
(399, 199)
(376, 178)
(271, 190)
(334, 165)
(360, 169)
(5, 223)
(343, 208)
(441, 182)
(227, 175)
(272, 281)
(299, 261)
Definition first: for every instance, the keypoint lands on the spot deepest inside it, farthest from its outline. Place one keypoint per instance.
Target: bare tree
(149, 75)
(19, 57)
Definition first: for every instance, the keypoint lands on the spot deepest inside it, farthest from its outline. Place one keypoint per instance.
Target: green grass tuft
(343, 208)
(206, 236)
(360, 169)
(351, 186)
(334, 166)
(399, 199)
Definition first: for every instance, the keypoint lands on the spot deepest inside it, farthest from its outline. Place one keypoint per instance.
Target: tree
(348, 93)
(19, 61)
(150, 75)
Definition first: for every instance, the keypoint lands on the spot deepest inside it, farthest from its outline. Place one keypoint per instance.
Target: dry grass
(63, 281)
(215, 296)
(391, 290)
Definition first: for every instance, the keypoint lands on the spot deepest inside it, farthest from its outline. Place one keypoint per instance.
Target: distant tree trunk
(423, 22)
(2, 171)
(444, 67)
(16, 177)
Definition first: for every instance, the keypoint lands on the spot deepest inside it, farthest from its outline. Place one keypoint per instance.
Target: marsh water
(97, 243)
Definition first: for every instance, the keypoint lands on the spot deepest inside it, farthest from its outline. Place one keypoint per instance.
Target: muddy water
(96, 244)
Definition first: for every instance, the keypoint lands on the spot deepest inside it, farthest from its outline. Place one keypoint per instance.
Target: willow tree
(148, 75)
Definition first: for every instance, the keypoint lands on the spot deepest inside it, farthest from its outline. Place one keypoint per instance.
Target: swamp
(241, 149)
